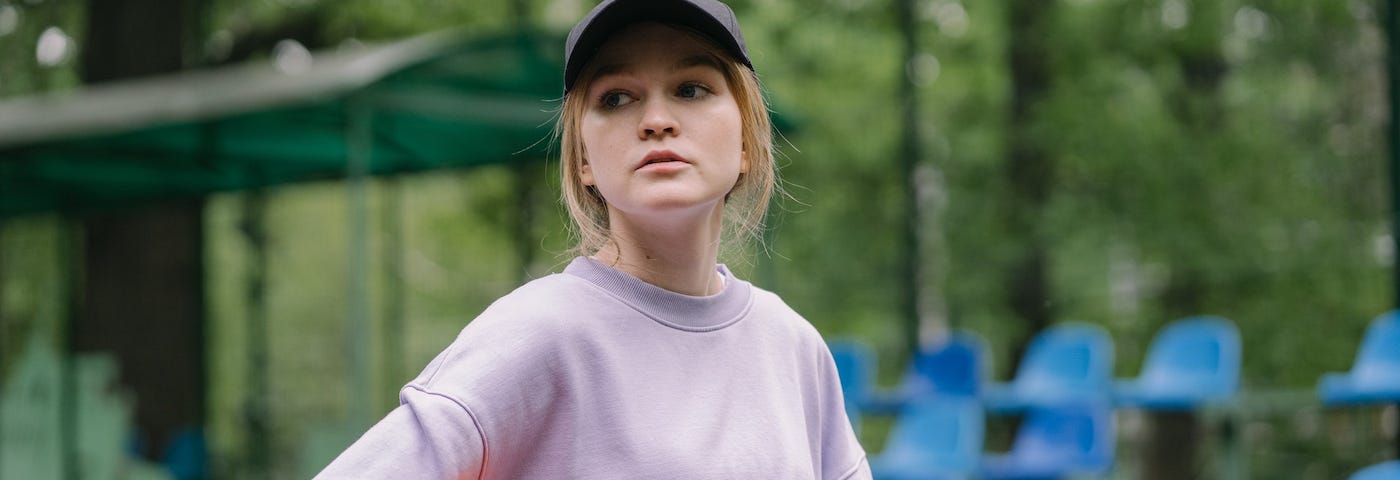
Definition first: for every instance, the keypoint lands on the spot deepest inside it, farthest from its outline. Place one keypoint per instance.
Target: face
(661, 128)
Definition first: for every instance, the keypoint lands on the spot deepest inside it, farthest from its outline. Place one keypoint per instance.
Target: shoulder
(544, 298)
(521, 330)
(776, 313)
(557, 304)
(770, 305)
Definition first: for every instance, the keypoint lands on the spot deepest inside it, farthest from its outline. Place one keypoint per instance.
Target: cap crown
(710, 18)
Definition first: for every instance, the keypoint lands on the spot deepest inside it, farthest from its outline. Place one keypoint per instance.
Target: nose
(657, 121)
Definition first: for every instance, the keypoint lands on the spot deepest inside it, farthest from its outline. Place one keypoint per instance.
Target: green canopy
(433, 101)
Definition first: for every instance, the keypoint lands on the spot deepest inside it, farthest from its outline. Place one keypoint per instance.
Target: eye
(615, 99)
(692, 90)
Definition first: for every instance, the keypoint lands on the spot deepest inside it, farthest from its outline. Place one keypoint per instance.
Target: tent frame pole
(1392, 28)
(359, 149)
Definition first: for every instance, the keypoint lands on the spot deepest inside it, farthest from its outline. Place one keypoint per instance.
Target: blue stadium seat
(1191, 362)
(187, 456)
(855, 366)
(1375, 375)
(1380, 471)
(1071, 440)
(954, 366)
(1067, 362)
(934, 438)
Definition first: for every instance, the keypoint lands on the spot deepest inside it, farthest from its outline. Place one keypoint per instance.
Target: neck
(679, 256)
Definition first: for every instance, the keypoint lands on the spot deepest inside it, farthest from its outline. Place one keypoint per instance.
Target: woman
(644, 358)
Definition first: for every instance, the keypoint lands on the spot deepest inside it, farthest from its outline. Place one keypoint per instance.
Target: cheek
(599, 137)
(588, 132)
(586, 136)
(600, 147)
(733, 134)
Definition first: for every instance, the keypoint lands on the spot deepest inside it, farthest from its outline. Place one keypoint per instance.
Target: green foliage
(1224, 158)
(21, 26)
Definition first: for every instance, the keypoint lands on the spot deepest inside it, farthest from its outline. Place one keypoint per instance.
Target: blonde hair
(745, 205)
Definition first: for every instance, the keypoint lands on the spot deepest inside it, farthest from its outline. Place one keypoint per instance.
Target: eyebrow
(697, 60)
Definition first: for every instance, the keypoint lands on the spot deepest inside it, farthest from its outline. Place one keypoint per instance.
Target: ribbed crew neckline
(675, 310)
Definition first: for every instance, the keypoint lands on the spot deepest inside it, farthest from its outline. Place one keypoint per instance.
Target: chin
(678, 204)
(676, 196)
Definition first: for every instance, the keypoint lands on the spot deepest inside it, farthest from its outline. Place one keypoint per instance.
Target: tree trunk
(1172, 449)
(911, 155)
(1029, 168)
(143, 303)
(143, 295)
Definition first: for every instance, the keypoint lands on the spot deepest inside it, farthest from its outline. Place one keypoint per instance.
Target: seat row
(1064, 386)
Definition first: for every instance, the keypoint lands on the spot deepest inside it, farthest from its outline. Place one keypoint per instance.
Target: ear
(743, 161)
(585, 174)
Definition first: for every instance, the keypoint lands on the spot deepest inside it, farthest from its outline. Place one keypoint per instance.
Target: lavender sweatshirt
(595, 374)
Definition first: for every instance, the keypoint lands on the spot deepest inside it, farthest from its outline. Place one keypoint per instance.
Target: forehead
(654, 44)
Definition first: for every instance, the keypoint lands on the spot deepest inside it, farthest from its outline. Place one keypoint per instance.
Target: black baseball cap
(708, 17)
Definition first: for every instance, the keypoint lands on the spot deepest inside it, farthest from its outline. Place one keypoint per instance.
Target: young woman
(645, 358)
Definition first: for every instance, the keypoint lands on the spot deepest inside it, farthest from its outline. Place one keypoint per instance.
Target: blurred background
(231, 230)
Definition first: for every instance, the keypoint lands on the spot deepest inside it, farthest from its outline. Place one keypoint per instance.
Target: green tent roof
(434, 101)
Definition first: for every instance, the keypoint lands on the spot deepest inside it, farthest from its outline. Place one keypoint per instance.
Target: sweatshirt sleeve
(429, 436)
(842, 454)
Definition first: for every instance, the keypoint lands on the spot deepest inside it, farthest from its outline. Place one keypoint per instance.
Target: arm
(429, 436)
(839, 445)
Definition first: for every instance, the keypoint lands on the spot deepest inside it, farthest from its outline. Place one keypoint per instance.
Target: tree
(143, 271)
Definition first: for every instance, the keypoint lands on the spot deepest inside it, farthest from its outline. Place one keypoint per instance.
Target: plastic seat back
(1074, 358)
(1070, 438)
(1378, 359)
(1198, 354)
(942, 435)
(956, 366)
(187, 455)
(855, 367)
(1380, 471)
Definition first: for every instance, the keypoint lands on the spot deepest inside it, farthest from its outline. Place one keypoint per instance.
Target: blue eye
(615, 99)
(692, 90)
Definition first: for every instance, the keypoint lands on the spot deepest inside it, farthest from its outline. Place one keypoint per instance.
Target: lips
(661, 156)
